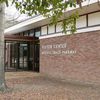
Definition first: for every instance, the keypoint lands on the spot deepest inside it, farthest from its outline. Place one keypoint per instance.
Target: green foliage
(4, 1)
(53, 9)
(69, 24)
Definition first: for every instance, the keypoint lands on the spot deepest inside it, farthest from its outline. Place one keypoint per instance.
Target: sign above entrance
(54, 46)
(56, 49)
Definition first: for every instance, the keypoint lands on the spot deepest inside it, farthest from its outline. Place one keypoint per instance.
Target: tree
(52, 9)
(2, 27)
(2, 75)
(49, 8)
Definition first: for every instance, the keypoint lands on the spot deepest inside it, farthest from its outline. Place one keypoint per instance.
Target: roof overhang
(19, 38)
(39, 20)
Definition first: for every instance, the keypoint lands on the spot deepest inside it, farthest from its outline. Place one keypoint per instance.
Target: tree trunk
(2, 73)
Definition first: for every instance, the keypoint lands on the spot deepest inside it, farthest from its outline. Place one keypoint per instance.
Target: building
(35, 45)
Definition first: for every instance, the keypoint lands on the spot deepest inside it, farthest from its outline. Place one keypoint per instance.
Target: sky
(12, 13)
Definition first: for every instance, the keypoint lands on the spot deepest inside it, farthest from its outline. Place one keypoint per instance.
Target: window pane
(31, 33)
(26, 33)
(37, 34)
(59, 27)
(51, 29)
(44, 30)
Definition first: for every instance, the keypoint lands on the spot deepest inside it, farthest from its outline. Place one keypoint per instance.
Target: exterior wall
(81, 64)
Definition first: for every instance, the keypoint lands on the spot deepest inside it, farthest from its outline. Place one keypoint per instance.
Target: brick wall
(83, 65)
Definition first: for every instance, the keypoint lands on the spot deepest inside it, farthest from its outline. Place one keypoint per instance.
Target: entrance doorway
(18, 56)
(22, 55)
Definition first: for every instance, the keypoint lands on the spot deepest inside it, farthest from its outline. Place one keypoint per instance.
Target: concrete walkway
(34, 86)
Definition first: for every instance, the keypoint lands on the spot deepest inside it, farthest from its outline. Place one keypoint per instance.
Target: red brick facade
(83, 65)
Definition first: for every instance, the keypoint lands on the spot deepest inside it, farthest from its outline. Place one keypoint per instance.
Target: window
(26, 33)
(44, 30)
(23, 50)
(59, 27)
(81, 22)
(94, 19)
(37, 32)
(31, 32)
(51, 29)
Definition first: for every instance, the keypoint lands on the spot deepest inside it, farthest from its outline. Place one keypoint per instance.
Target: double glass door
(20, 56)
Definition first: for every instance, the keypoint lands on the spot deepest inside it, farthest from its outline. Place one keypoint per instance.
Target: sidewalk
(34, 86)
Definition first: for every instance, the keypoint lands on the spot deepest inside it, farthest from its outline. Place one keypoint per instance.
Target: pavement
(34, 86)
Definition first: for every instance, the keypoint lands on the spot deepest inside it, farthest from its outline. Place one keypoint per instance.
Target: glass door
(23, 56)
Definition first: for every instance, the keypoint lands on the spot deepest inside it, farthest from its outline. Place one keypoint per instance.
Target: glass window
(81, 22)
(59, 27)
(22, 45)
(21, 51)
(94, 19)
(26, 33)
(31, 33)
(51, 29)
(25, 51)
(44, 30)
(37, 32)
